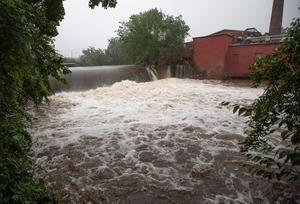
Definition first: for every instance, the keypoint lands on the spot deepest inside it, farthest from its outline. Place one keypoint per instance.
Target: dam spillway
(85, 78)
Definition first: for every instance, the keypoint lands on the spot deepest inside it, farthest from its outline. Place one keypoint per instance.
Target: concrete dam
(85, 78)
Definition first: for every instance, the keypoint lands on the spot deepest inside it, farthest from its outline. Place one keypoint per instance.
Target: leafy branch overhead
(104, 3)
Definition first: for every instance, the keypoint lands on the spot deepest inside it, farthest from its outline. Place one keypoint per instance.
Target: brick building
(228, 53)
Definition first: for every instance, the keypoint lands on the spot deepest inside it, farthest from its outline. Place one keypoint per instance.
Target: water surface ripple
(166, 141)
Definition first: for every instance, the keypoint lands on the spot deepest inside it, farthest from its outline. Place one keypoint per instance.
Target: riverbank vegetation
(272, 144)
(28, 58)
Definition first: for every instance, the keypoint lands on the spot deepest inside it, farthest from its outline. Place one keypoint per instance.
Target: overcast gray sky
(84, 27)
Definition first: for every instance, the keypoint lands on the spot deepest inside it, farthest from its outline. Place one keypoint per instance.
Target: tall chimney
(276, 19)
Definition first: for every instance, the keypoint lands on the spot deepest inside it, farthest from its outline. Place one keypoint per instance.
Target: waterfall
(185, 71)
(85, 78)
(152, 73)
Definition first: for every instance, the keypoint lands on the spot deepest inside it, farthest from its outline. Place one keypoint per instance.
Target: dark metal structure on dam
(85, 78)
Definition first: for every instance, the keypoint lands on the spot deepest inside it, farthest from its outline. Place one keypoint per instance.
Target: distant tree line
(114, 54)
(149, 38)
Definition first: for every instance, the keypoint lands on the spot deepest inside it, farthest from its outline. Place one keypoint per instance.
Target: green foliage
(27, 60)
(16, 185)
(27, 55)
(92, 57)
(115, 53)
(152, 35)
(272, 144)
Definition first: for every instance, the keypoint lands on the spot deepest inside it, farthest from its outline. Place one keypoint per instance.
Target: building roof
(220, 34)
(249, 32)
(227, 31)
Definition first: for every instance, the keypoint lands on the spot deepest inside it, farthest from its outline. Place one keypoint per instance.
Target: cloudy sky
(84, 27)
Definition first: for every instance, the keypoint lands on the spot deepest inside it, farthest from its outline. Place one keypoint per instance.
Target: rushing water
(166, 141)
(85, 78)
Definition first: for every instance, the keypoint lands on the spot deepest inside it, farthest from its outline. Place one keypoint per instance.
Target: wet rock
(146, 156)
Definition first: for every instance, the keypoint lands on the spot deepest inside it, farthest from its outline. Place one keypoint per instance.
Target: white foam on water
(165, 134)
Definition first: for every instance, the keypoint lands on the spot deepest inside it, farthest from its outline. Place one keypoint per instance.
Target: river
(166, 141)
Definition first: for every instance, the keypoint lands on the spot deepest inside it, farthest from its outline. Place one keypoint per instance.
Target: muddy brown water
(167, 141)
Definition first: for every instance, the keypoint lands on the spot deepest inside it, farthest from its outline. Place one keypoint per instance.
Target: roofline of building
(209, 36)
(253, 44)
(227, 30)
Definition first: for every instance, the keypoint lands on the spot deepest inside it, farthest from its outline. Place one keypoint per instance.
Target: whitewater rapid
(167, 141)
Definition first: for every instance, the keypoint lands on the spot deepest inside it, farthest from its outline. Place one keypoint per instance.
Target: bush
(27, 60)
(272, 144)
(16, 184)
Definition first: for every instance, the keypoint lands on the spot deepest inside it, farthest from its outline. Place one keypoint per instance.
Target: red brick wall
(209, 54)
(240, 57)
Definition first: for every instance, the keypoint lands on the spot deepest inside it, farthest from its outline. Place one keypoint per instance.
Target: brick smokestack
(276, 19)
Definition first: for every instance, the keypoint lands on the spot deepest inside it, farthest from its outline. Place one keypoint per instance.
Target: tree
(92, 57)
(28, 59)
(115, 53)
(152, 35)
(272, 144)
(27, 55)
